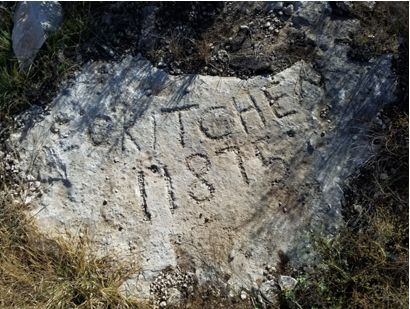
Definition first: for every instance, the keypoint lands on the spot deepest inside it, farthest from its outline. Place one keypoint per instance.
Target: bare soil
(210, 38)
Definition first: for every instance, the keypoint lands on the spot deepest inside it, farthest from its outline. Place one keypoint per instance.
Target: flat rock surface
(211, 175)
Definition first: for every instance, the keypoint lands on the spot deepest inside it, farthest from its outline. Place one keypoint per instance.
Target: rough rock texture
(210, 175)
(32, 22)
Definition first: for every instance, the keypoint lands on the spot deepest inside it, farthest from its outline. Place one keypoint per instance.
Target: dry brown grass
(204, 52)
(37, 272)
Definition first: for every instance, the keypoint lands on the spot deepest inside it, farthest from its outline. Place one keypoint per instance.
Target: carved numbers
(200, 189)
(239, 160)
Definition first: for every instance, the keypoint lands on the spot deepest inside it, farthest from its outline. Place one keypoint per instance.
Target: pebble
(287, 283)
(288, 10)
(28, 200)
(163, 304)
(244, 295)
(244, 27)
(358, 208)
(384, 176)
(267, 25)
(223, 55)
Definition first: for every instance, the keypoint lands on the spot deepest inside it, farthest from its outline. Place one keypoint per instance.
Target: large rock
(213, 175)
(33, 21)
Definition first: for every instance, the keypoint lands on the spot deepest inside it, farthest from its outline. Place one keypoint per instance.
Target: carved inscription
(276, 164)
(200, 190)
(179, 110)
(170, 189)
(143, 192)
(278, 109)
(217, 123)
(131, 137)
(258, 109)
(239, 160)
(245, 107)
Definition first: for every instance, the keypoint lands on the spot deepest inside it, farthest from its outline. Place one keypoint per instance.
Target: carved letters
(217, 124)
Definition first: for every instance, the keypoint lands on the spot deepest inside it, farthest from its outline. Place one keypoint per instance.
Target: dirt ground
(210, 38)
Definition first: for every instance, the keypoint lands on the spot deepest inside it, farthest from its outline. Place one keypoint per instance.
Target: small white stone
(287, 283)
(163, 304)
(28, 200)
(244, 295)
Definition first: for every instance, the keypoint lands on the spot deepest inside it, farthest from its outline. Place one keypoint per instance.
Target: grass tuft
(366, 264)
(37, 272)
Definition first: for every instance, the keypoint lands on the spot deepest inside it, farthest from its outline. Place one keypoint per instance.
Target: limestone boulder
(210, 175)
